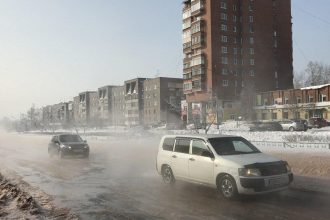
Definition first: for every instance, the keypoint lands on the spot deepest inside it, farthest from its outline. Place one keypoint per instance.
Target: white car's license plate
(278, 182)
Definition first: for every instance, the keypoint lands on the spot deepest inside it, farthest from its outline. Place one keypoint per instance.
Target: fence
(271, 145)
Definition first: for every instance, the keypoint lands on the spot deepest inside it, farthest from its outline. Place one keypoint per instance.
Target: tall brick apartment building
(231, 46)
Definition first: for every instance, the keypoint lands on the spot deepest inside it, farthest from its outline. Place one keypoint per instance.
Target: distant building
(119, 108)
(232, 48)
(134, 103)
(106, 105)
(304, 103)
(87, 113)
(56, 115)
(162, 100)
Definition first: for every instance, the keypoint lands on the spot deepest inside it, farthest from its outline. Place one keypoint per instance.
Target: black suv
(265, 126)
(68, 144)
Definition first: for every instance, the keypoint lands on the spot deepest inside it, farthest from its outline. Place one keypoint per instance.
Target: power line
(312, 15)
(301, 51)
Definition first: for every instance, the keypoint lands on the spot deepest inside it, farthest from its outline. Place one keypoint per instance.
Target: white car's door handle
(192, 159)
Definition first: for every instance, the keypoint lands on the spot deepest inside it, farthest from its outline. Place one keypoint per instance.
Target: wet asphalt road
(119, 181)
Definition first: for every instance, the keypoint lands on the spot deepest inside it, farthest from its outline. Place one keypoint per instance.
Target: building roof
(315, 87)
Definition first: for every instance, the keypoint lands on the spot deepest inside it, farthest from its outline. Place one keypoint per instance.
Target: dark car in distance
(317, 122)
(265, 126)
(68, 144)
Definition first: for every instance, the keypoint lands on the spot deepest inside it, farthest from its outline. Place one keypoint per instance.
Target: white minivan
(229, 163)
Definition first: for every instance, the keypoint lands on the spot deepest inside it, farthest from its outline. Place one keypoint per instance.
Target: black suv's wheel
(167, 175)
(227, 187)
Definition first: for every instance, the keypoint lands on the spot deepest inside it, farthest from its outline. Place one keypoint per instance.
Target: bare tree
(247, 98)
(316, 73)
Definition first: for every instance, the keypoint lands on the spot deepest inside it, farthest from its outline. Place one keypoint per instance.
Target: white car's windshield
(232, 146)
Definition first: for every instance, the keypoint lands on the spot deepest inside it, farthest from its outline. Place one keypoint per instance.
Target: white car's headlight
(248, 172)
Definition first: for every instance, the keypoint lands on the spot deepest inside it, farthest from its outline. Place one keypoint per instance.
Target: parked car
(292, 125)
(230, 164)
(317, 122)
(265, 126)
(68, 144)
(304, 122)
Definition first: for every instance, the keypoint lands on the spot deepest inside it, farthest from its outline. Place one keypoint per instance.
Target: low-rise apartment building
(162, 100)
(134, 102)
(119, 106)
(106, 105)
(304, 103)
(86, 112)
(56, 115)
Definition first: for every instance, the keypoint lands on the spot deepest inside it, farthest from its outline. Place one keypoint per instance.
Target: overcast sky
(52, 50)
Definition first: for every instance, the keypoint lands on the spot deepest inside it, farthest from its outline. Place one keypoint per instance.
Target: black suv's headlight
(248, 172)
(288, 168)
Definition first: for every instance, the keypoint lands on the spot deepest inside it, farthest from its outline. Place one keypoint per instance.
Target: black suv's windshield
(70, 138)
(232, 146)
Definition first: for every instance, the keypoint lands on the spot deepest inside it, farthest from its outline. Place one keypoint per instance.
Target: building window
(251, 19)
(250, 7)
(224, 60)
(224, 50)
(235, 61)
(251, 51)
(251, 40)
(234, 29)
(235, 50)
(223, 5)
(234, 18)
(224, 16)
(252, 73)
(252, 62)
(274, 116)
(224, 39)
(234, 7)
(298, 100)
(224, 71)
(251, 28)
(286, 100)
(311, 99)
(236, 84)
(225, 83)
(224, 27)
(285, 115)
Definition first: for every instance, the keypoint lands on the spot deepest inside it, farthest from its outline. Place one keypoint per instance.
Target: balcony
(197, 41)
(197, 85)
(187, 47)
(197, 8)
(187, 87)
(198, 61)
(197, 71)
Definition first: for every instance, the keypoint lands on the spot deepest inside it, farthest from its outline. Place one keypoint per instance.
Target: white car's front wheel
(227, 187)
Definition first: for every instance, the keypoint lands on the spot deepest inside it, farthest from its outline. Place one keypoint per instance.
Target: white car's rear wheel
(167, 175)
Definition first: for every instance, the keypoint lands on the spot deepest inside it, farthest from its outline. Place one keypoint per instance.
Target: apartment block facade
(57, 115)
(86, 110)
(302, 103)
(231, 47)
(118, 100)
(162, 100)
(106, 105)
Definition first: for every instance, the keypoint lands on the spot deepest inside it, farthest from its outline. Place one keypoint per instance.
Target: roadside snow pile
(16, 203)
(12, 198)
